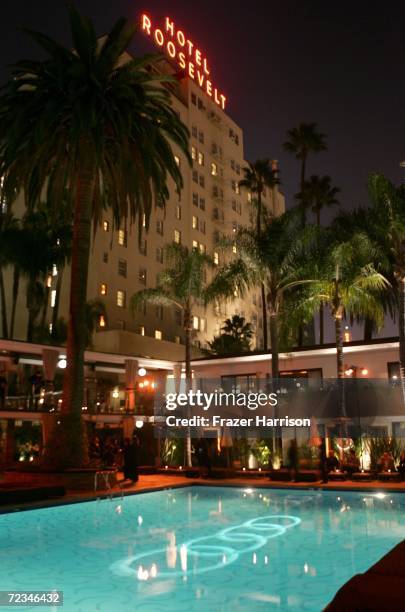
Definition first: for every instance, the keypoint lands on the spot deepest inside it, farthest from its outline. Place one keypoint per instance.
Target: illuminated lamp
(141, 372)
(364, 371)
(349, 371)
(139, 424)
(62, 363)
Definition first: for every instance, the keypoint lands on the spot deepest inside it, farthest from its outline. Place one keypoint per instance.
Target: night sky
(340, 64)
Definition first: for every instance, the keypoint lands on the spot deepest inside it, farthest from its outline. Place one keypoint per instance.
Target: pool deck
(155, 482)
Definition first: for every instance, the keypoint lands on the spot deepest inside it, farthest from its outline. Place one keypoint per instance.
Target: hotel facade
(210, 207)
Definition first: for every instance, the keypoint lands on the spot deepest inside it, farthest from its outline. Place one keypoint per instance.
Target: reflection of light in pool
(380, 495)
(211, 551)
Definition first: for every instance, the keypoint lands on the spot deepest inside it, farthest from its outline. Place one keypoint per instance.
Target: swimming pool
(199, 548)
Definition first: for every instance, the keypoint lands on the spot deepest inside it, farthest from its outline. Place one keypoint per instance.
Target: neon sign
(187, 56)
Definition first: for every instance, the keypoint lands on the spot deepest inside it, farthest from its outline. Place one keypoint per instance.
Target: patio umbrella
(226, 443)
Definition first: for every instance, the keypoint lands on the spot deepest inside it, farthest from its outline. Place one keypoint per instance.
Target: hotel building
(211, 206)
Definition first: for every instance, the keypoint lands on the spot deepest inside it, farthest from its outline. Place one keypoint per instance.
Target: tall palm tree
(266, 260)
(303, 140)
(260, 175)
(317, 193)
(181, 285)
(8, 229)
(388, 215)
(85, 123)
(348, 283)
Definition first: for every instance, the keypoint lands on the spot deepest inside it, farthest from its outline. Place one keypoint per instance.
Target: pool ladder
(106, 477)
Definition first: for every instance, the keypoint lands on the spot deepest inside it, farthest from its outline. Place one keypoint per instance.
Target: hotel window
(202, 203)
(158, 334)
(194, 131)
(142, 330)
(233, 185)
(202, 226)
(177, 160)
(234, 227)
(195, 222)
(177, 236)
(121, 298)
(237, 188)
(233, 164)
(105, 257)
(178, 212)
(53, 298)
(195, 244)
(202, 247)
(249, 197)
(159, 227)
(202, 181)
(194, 99)
(214, 148)
(142, 276)
(196, 323)
(195, 176)
(200, 104)
(122, 237)
(177, 339)
(159, 312)
(193, 153)
(101, 321)
(103, 289)
(216, 258)
(215, 191)
(143, 220)
(159, 255)
(106, 226)
(237, 169)
(143, 247)
(200, 158)
(203, 324)
(234, 205)
(195, 199)
(122, 267)
(214, 169)
(201, 137)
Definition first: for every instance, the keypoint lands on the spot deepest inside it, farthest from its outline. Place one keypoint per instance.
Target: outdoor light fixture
(364, 371)
(115, 393)
(141, 372)
(62, 363)
(139, 424)
(349, 371)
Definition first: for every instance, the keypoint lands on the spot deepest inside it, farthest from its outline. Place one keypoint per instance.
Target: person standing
(130, 467)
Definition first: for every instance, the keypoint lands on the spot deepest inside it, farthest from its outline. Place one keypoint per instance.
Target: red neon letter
(181, 39)
(146, 24)
(159, 37)
(198, 57)
(182, 60)
(200, 77)
(171, 49)
(223, 100)
(206, 66)
(209, 88)
(191, 70)
(169, 26)
(216, 96)
(190, 47)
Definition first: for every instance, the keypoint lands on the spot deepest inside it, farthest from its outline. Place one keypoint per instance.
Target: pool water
(199, 548)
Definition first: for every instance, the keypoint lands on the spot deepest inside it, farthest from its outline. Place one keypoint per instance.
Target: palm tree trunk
(3, 307)
(321, 325)
(58, 289)
(340, 372)
(188, 329)
(274, 346)
(264, 316)
(69, 446)
(16, 286)
(302, 181)
(402, 334)
(45, 308)
(368, 329)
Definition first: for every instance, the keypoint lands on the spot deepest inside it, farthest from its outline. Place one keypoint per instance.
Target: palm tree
(260, 175)
(8, 228)
(234, 339)
(85, 124)
(317, 193)
(388, 217)
(348, 283)
(303, 140)
(266, 260)
(181, 285)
